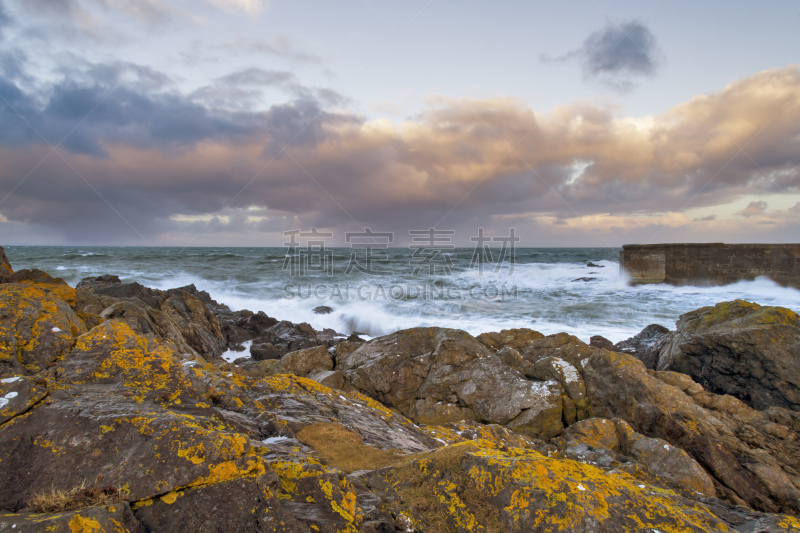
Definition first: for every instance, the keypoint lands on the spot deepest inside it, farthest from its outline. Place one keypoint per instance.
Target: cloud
(709, 218)
(278, 45)
(617, 54)
(753, 209)
(169, 163)
(251, 7)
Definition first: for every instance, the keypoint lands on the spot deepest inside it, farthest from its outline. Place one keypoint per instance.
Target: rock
(99, 282)
(598, 341)
(431, 412)
(237, 348)
(191, 445)
(5, 265)
(585, 279)
(330, 378)
(18, 394)
(672, 463)
(739, 348)
(594, 432)
(303, 362)
(512, 338)
(32, 276)
(450, 366)
(744, 451)
(264, 351)
(116, 517)
(288, 337)
(592, 265)
(243, 504)
(174, 314)
(37, 326)
(323, 310)
(529, 490)
(345, 347)
(644, 346)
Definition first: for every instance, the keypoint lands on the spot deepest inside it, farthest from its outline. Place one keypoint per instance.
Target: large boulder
(37, 326)
(739, 348)
(750, 457)
(175, 314)
(443, 375)
(303, 362)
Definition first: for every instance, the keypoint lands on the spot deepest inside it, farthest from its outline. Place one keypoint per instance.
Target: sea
(580, 291)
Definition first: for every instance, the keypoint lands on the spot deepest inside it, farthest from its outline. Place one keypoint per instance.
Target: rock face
(175, 314)
(739, 348)
(439, 375)
(193, 443)
(5, 266)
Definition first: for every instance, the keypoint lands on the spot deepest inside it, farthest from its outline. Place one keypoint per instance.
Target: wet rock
(592, 265)
(644, 346)
(584, 279)
(289, 337)
(323, 310)
(739, 348)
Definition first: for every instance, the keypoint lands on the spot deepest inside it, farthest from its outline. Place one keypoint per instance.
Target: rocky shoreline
(120, 390)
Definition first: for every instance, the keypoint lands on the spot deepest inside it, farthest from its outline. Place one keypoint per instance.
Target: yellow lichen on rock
(79, 524)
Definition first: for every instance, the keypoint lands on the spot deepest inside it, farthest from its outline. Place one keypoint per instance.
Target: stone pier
(710, 263)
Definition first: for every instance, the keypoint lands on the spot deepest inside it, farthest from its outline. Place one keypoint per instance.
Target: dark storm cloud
(626, 49)
(101, 112)
(617, 54)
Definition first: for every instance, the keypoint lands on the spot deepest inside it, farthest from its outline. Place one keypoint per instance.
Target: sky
(231, 122)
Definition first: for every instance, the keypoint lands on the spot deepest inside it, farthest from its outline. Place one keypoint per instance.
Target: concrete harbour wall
(710, 263)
